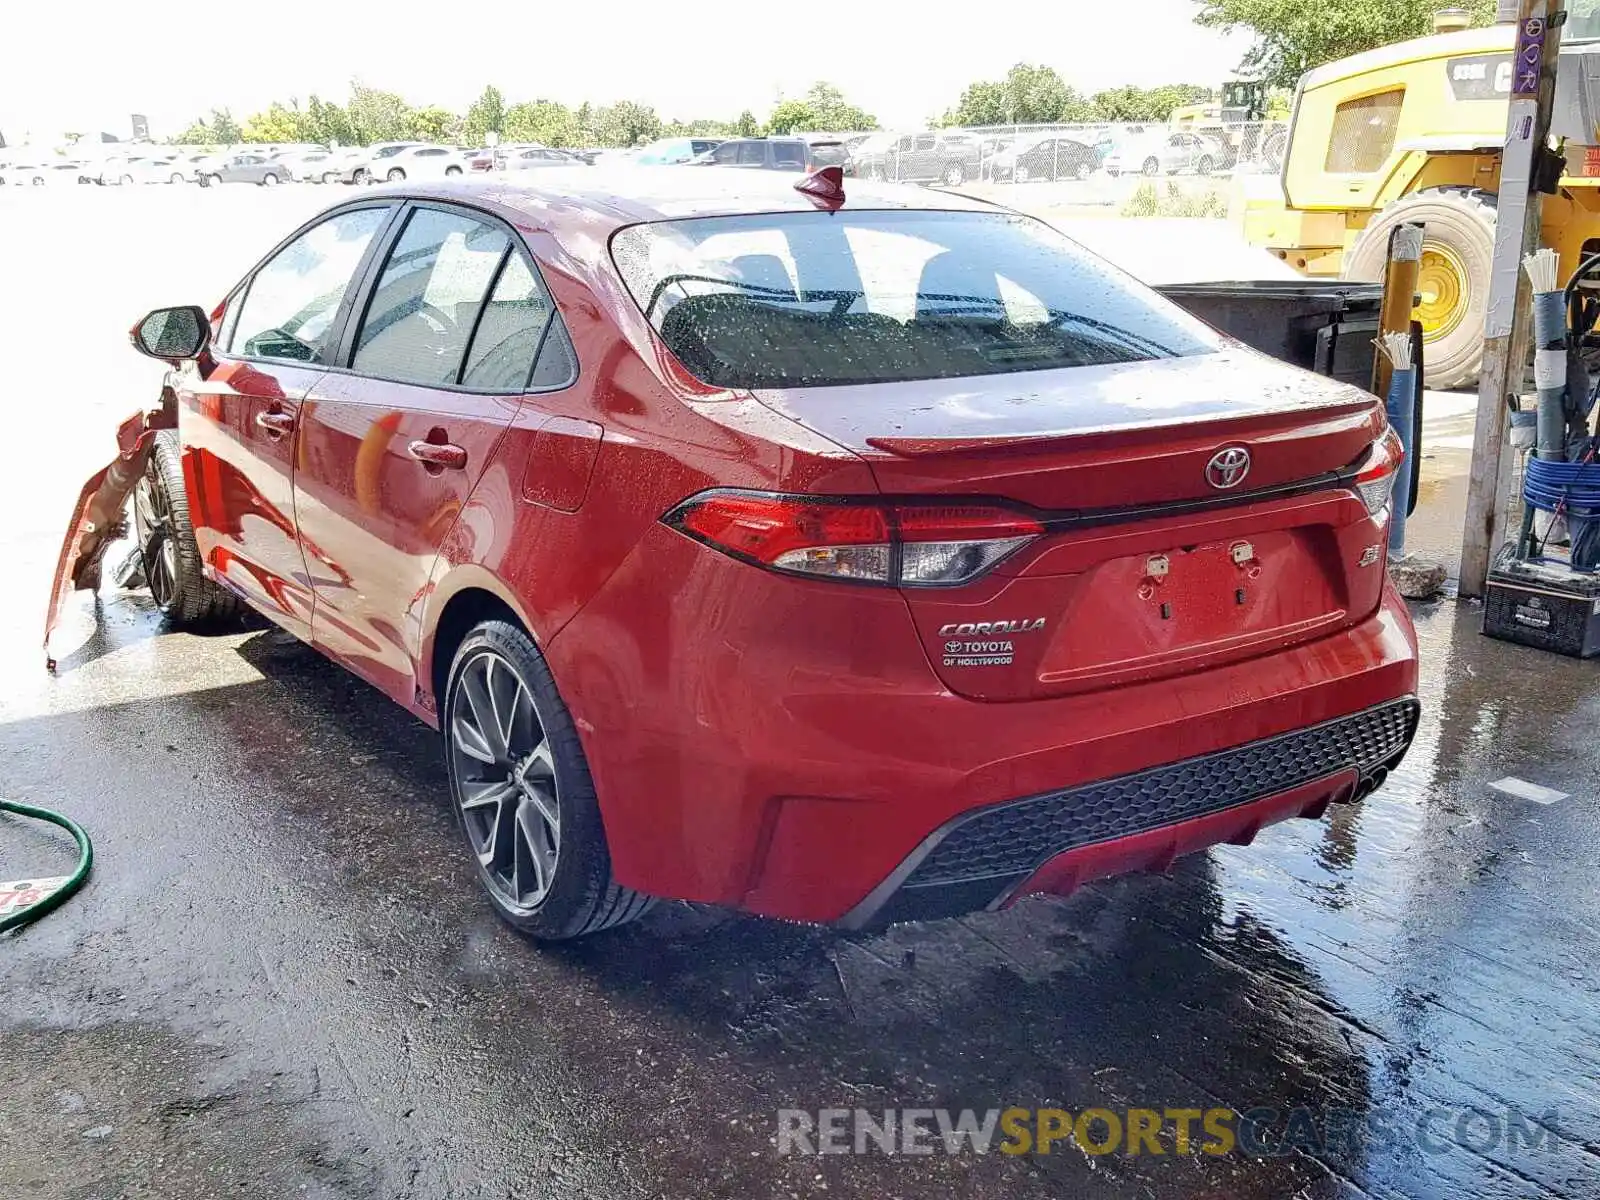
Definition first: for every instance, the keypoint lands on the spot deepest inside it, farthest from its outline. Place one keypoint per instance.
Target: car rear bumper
(785, 748)
(991, 857)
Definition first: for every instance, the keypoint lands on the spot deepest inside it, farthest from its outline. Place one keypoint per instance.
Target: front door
(392, 447)
(239, 424)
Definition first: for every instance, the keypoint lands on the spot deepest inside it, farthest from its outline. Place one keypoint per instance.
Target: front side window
(818, 299)
(752, 154)
(726, 154)
(422, 312)
(788, 154)
(290, 304)
(1364, 133)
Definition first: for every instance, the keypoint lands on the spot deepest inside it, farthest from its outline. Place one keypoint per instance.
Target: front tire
(1205, 166)
(395, 175)
(1152, 167)
(522, 791)
(451, 171)
(954, 175)
(166, 542)
(269, 181)
(1457, 250)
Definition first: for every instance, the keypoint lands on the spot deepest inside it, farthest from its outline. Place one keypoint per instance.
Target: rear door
(433, 369)
(238, 425)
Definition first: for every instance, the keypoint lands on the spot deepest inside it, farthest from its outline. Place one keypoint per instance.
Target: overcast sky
(87, 64)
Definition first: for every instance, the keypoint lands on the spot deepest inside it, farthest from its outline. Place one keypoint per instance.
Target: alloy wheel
(158, 549)
(505, 780)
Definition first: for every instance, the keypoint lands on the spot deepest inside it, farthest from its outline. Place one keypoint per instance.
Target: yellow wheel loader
(1413, 132)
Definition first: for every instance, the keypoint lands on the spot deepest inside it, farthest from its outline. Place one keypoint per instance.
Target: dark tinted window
(752, 154)
(430, 153)
(812, 299)
(513, 325)
(289, 306)
(789, 154)
(725, 154)
(427, 299)
(701, 145)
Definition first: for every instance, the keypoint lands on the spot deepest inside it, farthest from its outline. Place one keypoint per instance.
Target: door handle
(276, 423)
(438, 454)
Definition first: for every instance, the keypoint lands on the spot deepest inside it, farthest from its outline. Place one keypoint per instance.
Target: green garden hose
(58, 897)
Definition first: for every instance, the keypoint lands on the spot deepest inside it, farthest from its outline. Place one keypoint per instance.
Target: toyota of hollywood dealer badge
(967, 645)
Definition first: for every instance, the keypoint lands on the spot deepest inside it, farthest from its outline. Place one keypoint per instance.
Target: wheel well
(461, 612)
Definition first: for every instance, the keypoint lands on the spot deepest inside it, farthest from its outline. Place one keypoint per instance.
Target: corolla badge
(1228, 467)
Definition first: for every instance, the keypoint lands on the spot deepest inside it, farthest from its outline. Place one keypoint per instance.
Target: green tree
(1293, 36)
(327, 123)
(1130, 103)
(487, 115)
(377, 116)
(276, 124)
(792, 116)
(542, 121)
(1028, 95)
(833, 113)
(626, 124)
(434, 124)
(224, 129)
(747, 125)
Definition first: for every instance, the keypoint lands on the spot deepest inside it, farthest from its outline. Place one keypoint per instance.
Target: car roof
(626, 195)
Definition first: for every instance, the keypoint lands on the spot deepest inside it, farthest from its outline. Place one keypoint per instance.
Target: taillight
(1375, 478)
(898, 545)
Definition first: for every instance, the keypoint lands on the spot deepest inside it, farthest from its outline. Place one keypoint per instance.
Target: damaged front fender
(97, 516)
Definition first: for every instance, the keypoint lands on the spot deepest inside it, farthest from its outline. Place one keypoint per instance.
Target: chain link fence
(1101, 163)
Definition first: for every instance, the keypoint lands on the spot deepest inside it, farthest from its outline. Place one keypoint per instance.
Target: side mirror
(173, 334)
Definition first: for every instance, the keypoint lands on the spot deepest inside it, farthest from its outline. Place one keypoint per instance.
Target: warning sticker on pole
(1529, 57)
(25, 893)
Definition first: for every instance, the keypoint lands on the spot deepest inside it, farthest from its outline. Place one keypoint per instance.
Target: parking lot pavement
(281, 980)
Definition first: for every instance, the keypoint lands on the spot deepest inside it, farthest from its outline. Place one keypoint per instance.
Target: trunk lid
(1148, 568)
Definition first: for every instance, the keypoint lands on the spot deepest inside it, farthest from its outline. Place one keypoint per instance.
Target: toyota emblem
(1228, 467)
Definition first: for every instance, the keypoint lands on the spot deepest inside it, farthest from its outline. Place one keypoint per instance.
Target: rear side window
(752, 154)
(725, 155)
(422, 313)
(789, 154)
(817, 299)
(516, 322)
(290, 304)
(1363, 133)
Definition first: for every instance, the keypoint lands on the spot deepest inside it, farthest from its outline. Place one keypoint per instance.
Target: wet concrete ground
(281, 981)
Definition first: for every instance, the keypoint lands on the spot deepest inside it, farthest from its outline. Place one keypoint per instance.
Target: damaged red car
(844, 558)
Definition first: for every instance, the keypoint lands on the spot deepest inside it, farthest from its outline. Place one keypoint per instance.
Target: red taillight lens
(1375, 478)
(909, 545)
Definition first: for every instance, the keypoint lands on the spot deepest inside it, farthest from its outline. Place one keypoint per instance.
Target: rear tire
(954, 175)
(395, 175)
(1205, 166)
(451, 171)
(269, 180)
(167, 547)
(1457, 250)
(522, 792)
(1152, 166)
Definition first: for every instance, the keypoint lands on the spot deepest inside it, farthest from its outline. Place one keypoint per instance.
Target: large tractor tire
(1457, 249)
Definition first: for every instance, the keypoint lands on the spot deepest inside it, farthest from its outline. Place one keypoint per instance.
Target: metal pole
(1399, 296)
(1517, 233)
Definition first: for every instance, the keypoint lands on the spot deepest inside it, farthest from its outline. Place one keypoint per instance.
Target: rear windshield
(817, 299)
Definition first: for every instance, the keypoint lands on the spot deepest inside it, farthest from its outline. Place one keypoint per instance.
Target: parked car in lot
(532, 157)
(799, 153)
(929, 157)
(251, 168)
(1162, 153)
(367, 164)
(1048, 158)
(139, 168)
(668, 152)
(418, 162)
(42, 174)
(838, 557)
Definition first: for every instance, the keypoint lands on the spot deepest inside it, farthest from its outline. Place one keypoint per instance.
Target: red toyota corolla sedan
(840, 558)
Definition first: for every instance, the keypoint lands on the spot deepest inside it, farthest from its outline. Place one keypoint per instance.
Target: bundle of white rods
(1396, 347)
(1541, 269)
